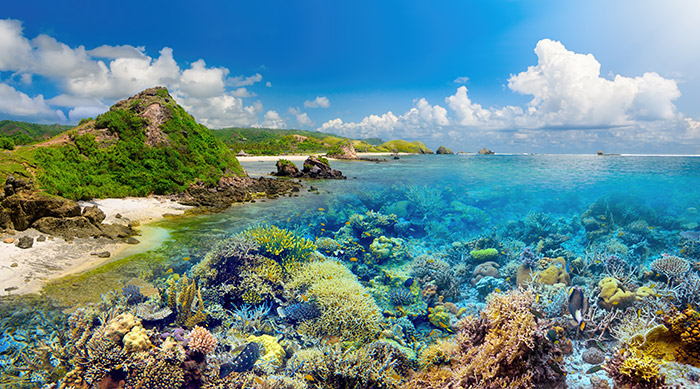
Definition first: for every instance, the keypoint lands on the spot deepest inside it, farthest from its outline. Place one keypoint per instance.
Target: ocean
(422, 249)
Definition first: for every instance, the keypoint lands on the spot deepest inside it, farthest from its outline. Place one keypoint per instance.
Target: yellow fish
(309, 377)
(368, 234)
(497, 290)
(321, 209)
(303, 297)
(186, 259)
(170, 271)
(347, 223)
(323, 224)
(353, 259)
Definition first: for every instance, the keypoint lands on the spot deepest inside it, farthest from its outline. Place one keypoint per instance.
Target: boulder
(67, 227)
(15, 185)
(286, 168)
(486, 151)
(345, 150)
(25, 242)
(115, 231)
(22, 209)
(94, 214)
(443, 150)
(319, 168)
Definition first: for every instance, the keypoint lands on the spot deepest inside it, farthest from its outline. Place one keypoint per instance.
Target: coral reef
(201, 340)
(190, 312)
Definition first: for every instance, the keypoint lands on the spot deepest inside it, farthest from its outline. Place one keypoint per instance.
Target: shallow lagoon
(585, 208)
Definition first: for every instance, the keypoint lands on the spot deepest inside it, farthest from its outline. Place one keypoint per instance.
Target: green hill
(144, 144)
(14, 133)
(268, 141)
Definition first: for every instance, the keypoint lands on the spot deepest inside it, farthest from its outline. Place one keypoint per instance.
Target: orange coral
(686, 325)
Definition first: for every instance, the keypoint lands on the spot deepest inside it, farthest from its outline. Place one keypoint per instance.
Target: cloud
(302, 118)
(16, 103)
(200, 81)
(90, 80)
(319, 102)
(461, 80)
(245, 81)
(114, 52)
(268, 84)
(273, 120)
(569, 100)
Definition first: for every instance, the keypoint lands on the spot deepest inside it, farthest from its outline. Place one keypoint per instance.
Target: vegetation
(268, 141)
(113, 155)
(23, 133)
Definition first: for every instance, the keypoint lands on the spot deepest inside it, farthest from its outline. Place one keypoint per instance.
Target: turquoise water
(409, 225)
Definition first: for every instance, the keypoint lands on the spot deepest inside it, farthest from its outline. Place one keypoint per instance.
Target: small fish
(309, 378)
(321, 209)
(433, 332)
(659, 312)
(186, 259)
(600, 345)
(536, 313)
(304, 298)
(353, 259)
(310, 224)
(552, 336)
(258, 380)
(367, 233)
(508, 279)
(288, 219)
(497, 290)
(578, 306)
(594, 369)
(244, 361)
(615, 302)
(323, 229)
(170, 271)
(556, 368)
(408, 283)
(323, 224)
(639, 312)
(347, 223)
(537, 298)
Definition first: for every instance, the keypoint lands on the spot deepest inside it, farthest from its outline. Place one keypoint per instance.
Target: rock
(24, 208)
(133, 241)
(286, 168)
(593, 356)
(115, 231)
(345, 150)
(486, 151)
(118, 216)
(443, 150)
(319, 168)
(68, 227)
(15, 185)
(102, 254)
(41, 238)
(600, 152)
(231, 190)
(14, 264)
(9, 240)
(94, 214)
(25, 242)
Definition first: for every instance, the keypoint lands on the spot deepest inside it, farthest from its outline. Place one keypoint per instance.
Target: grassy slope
(86, 167)
(23, 133)
(266, 141)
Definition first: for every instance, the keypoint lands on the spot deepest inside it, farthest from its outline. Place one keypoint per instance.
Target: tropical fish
(321, 209)
(353, 259)
(594, 369)
(578, 306)
(556, 368)
(244, 361)
(552, 336)
(408, 282)
(536, 313)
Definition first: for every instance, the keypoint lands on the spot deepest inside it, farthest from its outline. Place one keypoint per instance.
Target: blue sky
(514, 76)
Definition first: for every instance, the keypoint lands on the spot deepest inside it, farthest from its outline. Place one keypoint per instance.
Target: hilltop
(268, 141)
(146, 144)
(13, 133)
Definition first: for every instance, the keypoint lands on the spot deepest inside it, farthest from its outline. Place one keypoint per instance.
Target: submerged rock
(25, 242)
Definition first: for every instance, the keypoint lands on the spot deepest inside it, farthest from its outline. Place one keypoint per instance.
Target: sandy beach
(27, 270)
(302, 157)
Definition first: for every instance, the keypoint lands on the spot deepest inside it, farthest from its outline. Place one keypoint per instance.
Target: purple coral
(528, 258)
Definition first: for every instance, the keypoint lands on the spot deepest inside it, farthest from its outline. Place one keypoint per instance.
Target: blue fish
(244, 361)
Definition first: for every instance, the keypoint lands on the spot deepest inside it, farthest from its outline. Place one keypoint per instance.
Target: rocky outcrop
(314, 168)
(486, 151)
(231, 190)
(345, 150)
(22, 207)
(443, 150)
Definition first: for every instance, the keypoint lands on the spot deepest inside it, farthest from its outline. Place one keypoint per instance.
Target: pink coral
(201, 340)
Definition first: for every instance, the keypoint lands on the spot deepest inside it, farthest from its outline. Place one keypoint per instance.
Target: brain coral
(347, 310)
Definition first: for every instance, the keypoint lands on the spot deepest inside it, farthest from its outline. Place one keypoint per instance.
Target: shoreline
(302, 157)
(24, 271)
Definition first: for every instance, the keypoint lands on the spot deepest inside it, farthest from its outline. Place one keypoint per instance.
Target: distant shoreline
(302, 157)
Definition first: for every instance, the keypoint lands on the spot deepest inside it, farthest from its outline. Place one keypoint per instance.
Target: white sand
(26, 270)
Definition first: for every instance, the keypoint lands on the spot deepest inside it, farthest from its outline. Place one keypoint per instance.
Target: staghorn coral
(221, 263)
(201, 340)
(670, 266)
(182, 301)
(347, 310)
(288, 249)
(633, 327)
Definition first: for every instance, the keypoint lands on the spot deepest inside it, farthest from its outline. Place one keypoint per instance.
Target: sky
(514, 76)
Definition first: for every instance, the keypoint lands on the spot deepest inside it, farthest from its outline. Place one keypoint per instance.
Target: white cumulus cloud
(273, 120)
(318, 102)
(302, 118)
(14, 102)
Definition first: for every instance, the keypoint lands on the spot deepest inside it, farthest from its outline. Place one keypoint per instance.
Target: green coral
(181, 301)
(484, 255)
(289, 249)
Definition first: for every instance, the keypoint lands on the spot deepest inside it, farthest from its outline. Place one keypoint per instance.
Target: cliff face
(142, 145)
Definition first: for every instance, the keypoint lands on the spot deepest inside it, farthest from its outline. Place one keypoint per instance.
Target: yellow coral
(348, 310)
(613, 295)
(641, 369)
(251, 297)
(182, 300)
(271, 351)
(555, 273)
(289, 248)
(439, 317)
(136, 340)
(120, 326)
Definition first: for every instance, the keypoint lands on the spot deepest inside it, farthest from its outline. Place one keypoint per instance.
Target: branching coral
(182, 301)
(289, 249)
(347, 310)
(630, 369)
(503, 348)
(671, 266)
(201, 340)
